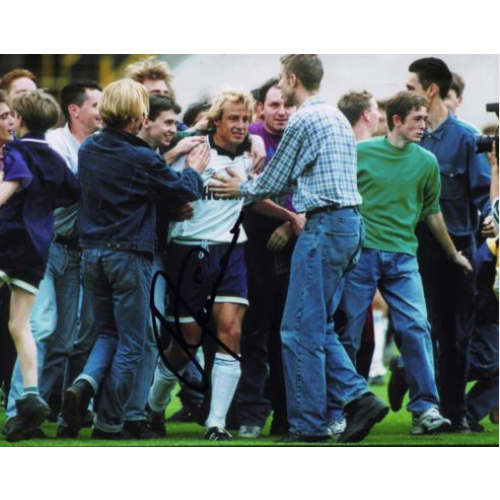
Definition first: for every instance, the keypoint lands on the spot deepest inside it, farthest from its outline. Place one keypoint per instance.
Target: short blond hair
(233, 96)
(151, 69)
(39, 110)
(123, 101)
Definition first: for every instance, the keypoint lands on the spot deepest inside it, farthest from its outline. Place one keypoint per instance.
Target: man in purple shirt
(272, 227)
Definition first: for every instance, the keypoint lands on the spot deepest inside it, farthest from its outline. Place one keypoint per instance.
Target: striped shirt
(316, 159)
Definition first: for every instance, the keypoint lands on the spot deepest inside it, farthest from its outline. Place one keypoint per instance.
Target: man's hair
(194, 110)
(402, 104)
(160, 103)
(38, 109)
(150, 69)
(432, 70)
(233, 96)
(76, 93)
(123, 101)
(13, 75)
(3, 97)
(263, 91)
(353, 104)
(308, 68)
(457, 84)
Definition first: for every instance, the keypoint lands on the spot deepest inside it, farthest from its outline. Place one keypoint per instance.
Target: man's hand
(298, 222)
(463, 262)
(258, 155)
(184, 147)
(226, 187)
(489, 229)
(182, 213)
(199, 158)
(280, 237)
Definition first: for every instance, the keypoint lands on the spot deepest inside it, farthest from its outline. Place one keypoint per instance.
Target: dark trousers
(450, 297)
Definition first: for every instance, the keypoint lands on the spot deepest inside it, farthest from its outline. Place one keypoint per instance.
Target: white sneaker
(249, 431)
(429, 422)
(336, 428)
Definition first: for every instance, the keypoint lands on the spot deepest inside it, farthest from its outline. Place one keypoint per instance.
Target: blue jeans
(53, 321)
(397, 277)
(316, 365)
(135, 408)
(118, 283)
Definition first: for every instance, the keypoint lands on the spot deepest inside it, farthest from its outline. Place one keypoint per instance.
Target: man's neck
(219, 142)
(78, 132)
(301, 96)
(396, 140)
(438, 113)
(361, 132)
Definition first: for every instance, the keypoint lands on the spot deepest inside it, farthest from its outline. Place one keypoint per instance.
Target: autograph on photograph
(202, 317)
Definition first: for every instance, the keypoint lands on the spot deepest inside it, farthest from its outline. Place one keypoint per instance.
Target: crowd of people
(239, 251)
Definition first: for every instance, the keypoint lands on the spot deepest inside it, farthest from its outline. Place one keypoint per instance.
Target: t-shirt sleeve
(16, 169)
(432, 190)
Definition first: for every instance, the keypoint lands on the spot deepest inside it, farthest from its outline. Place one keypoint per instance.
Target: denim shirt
(121, 179)
(465, 176)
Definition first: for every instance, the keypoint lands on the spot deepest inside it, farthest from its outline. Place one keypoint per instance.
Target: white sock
(225, 376)
(163, 383)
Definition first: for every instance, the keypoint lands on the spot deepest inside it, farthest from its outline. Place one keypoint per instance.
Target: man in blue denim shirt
(465, 185)
(122, 178)
(317, 159)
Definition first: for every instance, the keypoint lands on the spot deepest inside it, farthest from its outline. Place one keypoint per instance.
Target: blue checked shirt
(316, 158)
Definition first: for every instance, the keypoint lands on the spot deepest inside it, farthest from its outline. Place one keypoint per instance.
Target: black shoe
(278, 428)
(32, 410)
(185, 414)
(289, 437)
(139, 430)
(64, 432)
(110, 436)
(75, 402)
(156, 421)
(88, 419)
(460, 426)
(361, 415)
(397, 387)
(217, 434)
(476, 427)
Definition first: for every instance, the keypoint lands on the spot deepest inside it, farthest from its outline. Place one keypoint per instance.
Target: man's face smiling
(6, 124)
(232, 128)
(88, 113)
(163, 128)
(275, 112)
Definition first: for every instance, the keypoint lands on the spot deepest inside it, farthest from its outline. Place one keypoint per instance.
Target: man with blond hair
(121, 177)
(153, 74)
(198, 246)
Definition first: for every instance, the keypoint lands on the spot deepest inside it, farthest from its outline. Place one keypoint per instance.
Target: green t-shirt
(400, 187)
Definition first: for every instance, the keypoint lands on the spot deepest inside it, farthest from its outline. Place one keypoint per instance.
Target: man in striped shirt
(317, 160)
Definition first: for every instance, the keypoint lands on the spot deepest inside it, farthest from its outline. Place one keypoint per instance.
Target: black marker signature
(201, 317)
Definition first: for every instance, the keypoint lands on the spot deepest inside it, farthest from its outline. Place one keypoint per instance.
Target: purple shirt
(271, 141)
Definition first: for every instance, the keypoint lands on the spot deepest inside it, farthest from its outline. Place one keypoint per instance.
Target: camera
(484, 143)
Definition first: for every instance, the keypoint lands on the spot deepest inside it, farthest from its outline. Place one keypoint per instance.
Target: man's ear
(146, 123)
(433, 90)
(294, 81)
(396, 120)
(73, 110)
(259, 110)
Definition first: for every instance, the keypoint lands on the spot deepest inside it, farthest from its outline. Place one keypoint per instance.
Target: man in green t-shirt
(400, 185)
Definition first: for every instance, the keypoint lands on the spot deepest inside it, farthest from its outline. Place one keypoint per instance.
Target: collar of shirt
(70, 137)
(32, 137)
(438, 133)
(224, 152)
(312, 101)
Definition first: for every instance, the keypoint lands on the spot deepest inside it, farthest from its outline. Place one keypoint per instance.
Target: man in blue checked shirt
(317, 159)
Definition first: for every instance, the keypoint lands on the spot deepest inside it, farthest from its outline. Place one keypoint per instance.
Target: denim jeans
(119, 284)
(397, 277)
(135, 408)
(316, 365)
(53, 321)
